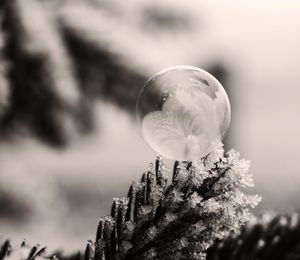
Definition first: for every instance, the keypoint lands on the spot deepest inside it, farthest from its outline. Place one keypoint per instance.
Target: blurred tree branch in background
(52, 76)
(57, 58)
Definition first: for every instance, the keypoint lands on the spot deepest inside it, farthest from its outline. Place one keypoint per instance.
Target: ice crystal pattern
(183, 113)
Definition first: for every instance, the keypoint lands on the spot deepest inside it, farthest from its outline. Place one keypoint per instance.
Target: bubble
(183, 113)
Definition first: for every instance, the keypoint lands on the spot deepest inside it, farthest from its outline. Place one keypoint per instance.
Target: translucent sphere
(183, 113)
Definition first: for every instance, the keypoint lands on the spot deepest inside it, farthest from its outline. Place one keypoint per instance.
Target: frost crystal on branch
(180, 220)
(202, 204)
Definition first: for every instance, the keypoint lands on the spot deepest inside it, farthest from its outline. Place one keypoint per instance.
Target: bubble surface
(183, 113)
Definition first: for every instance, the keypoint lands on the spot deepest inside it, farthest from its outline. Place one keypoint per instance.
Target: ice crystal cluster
(203, 202)
(180, 220)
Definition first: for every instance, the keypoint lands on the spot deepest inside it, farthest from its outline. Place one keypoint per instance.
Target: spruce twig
(268, 238)
(161, 221)
(181, 220)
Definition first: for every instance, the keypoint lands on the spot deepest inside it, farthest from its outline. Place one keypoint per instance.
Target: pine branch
(274, 238)
(25, 252)
(203, 202)
(37, 252)
(176, 221)
(43, 92)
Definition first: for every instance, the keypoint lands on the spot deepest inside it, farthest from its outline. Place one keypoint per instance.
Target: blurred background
(70, 73)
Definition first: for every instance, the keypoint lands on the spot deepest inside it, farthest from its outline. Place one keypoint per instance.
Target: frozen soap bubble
(183, 113)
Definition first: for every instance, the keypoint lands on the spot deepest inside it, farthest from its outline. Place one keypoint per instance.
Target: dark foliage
(35, 105)
(275, 239)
